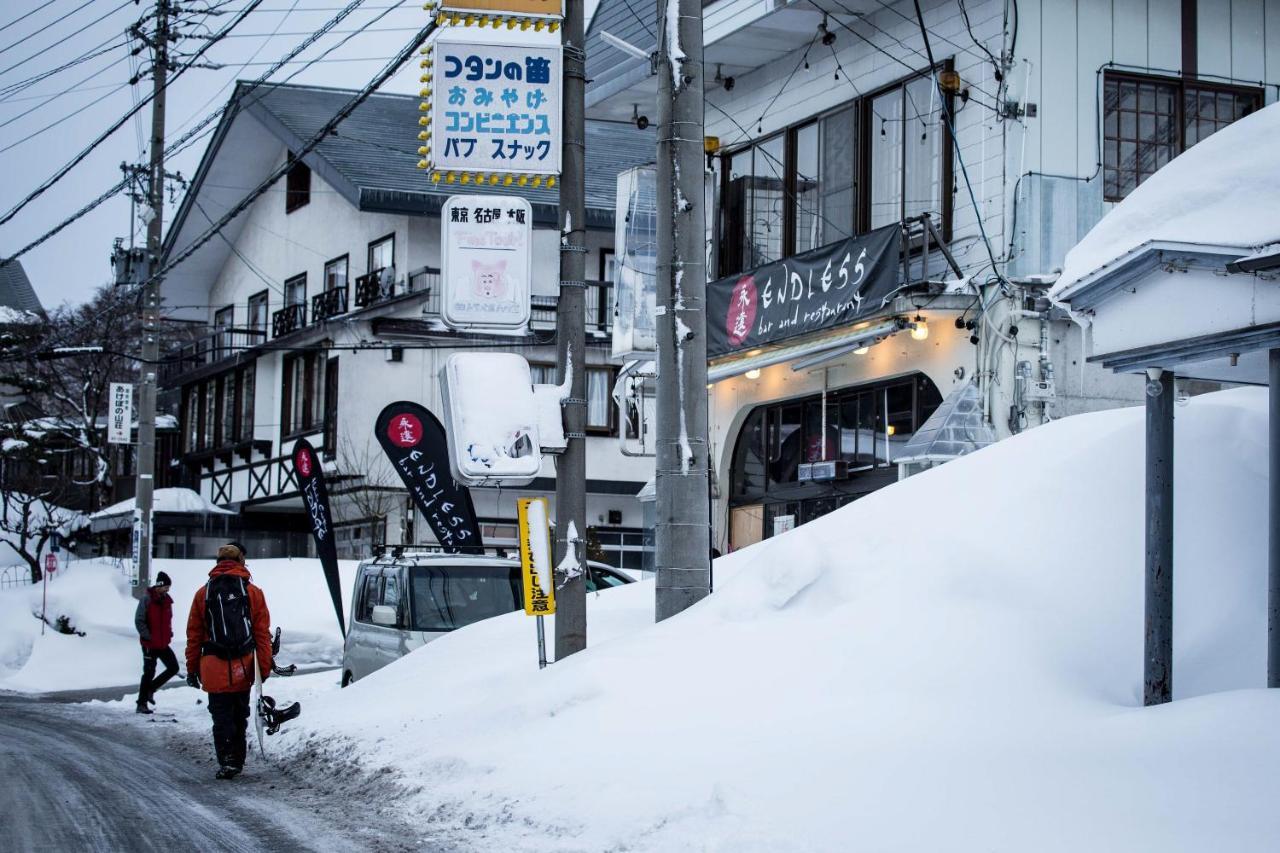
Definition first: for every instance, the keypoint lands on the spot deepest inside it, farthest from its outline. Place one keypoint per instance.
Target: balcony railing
(331, 303)
(222, 344)
(598, 309)
(376, 286)
(288, 319)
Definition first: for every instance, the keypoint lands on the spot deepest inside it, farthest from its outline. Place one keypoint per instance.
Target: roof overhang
(1089, 291)
(1239, 355)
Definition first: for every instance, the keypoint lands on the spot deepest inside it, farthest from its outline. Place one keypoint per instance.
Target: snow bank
(951, 663)
(1219, 192)
(167, 500)
(95, 594)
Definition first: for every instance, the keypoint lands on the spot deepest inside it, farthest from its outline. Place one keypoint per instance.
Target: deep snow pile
(952, 663)
(95, 595)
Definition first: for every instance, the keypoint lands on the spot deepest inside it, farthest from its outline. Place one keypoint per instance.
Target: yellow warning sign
(535, 557)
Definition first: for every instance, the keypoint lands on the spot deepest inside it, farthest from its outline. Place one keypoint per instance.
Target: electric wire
(22, 18)
(116, 125)
(64, 39)
(100, 49)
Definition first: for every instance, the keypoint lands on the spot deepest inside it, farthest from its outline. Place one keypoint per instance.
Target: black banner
(315, 496)
(418, 448)
(820, 289)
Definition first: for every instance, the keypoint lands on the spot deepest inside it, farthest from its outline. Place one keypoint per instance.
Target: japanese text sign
(495, 108)
(535, 557)
(487, 261)
(120, 415)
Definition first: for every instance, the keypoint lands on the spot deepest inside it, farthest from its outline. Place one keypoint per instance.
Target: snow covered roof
(954, 429)
(1221, 192)
(166, 500)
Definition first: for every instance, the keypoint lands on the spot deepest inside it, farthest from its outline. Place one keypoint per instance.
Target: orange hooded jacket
(229, 676)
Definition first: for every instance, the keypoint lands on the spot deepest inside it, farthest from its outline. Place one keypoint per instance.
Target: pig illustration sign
(494, 110)
(487, 261)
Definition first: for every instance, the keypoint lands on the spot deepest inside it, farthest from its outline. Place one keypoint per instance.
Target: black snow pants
(150, 684)
(230, 712)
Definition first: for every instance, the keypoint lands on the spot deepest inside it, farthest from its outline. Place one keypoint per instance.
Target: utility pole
(151, 304)
(571, 466)
(683, 533)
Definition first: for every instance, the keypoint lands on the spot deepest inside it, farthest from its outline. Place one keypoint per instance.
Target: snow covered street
(78, 779)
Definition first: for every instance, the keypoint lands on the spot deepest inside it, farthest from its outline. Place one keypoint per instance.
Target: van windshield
(450, 597)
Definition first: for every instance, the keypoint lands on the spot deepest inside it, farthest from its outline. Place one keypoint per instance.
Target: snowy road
(74, 782)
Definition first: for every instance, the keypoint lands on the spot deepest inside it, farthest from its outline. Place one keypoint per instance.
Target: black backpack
(226, 615)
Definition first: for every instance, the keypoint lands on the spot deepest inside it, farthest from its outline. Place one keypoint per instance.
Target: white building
(829, 125)
(323, 301)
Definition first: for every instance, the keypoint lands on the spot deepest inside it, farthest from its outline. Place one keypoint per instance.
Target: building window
(219, 411)
(331, 407)
(335, 274)
(601, 419)
(223, 320)
(295, 290)
(303, 397)
(257, 314)
(873, 162)
(297, 186)
(382, 253)
(1147, 121)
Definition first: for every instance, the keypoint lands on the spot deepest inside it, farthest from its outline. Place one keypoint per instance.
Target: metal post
(542, 644)
(151, 301)
(1158, 668)
(571, 466)
(1273, 527)
(683, 531)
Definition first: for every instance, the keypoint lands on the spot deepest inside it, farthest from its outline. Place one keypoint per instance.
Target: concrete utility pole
(151, 300)
(571, 466)
(1158, 669)
(683, 534)
(1273, 529)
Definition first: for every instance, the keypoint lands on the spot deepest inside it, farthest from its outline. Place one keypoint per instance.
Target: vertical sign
(120, 416)
(535, 557)
(493, 112)
(487, 261)
(418, 448)
(136, 550)
(306, 465)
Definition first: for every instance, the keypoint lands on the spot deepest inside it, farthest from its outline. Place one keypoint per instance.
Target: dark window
(390, 592)
(335, 274)
(446, 598)
(247, 377)
(601, 412)
(1147, 121)
(331, 407)
(370, 594)
(382, 253)
(303, 397)
(295, 290)
(257, 315)
(297, 186)
(877, 160)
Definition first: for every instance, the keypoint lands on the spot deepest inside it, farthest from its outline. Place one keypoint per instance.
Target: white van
(404, 600)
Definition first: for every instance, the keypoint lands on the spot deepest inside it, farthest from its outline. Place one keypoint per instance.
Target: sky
(44, 124)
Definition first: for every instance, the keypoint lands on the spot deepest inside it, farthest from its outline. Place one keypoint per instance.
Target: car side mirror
(383, 615)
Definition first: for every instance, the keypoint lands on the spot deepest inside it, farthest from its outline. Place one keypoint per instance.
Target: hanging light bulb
(919, 328)
(753, 373)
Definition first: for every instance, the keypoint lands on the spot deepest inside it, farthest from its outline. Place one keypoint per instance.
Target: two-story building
(323, 306)
(826, 120)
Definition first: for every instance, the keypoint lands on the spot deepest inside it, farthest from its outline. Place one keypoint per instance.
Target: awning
(119, 516)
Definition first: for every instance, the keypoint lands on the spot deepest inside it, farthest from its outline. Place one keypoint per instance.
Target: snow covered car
(402, 602)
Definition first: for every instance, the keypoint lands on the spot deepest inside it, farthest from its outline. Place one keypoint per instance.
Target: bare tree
(371, 488)
(29, 509)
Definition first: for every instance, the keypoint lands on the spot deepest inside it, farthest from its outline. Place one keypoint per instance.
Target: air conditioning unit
(818, 472)
(395, 353)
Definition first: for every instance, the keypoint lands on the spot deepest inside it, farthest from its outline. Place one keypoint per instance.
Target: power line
(61, 173)
(387, 72)
(64, 39)
(22, 18)
(92, 53)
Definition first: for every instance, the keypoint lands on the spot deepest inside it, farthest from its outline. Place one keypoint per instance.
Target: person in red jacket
(228, 627)
(154, 621)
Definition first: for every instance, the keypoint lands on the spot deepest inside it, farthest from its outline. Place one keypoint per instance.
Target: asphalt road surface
(72, 780)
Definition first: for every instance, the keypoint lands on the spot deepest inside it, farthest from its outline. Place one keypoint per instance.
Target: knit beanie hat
(231, 551)
(163, 580)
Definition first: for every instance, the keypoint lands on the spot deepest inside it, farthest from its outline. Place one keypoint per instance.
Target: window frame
(1180, 85)
(295, 196)
(300, 278)
(310, 414)
(730, 254)
(263, 298)
(369, 267)
(346, 277)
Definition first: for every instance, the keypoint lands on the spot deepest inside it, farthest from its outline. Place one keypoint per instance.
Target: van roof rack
(395, 552)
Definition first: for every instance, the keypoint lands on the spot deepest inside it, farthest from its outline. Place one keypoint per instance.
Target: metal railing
(597, 309)
(331, 303)
(288, 319)
(222, 344)
(375, 286)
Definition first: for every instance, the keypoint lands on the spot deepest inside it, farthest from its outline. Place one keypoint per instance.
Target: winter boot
(227, 773)
(142, 708)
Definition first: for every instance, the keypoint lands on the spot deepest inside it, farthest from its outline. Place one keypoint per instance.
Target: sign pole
(542, 645)
(536, 575)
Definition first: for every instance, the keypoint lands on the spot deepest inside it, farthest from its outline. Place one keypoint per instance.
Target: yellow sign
(512, 8)
(535, 557)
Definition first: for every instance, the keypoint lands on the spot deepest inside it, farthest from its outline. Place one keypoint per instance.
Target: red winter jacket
(229, 676)
(154, 620)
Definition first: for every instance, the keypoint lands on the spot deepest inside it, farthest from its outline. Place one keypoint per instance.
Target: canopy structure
(185, 501)
(956, 428)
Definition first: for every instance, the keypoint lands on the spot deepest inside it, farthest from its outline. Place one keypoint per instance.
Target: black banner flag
(306, 465)
(821, 289)
(416, 444)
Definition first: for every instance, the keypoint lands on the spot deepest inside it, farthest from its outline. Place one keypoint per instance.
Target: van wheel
(347, 678)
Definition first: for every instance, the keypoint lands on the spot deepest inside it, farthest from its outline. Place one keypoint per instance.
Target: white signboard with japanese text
(495, 108)
(486, 261)
(120, 414)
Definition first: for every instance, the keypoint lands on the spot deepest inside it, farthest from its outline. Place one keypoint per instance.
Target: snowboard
(258, 722)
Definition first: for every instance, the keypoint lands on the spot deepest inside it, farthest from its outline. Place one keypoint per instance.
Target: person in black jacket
(154, 621)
